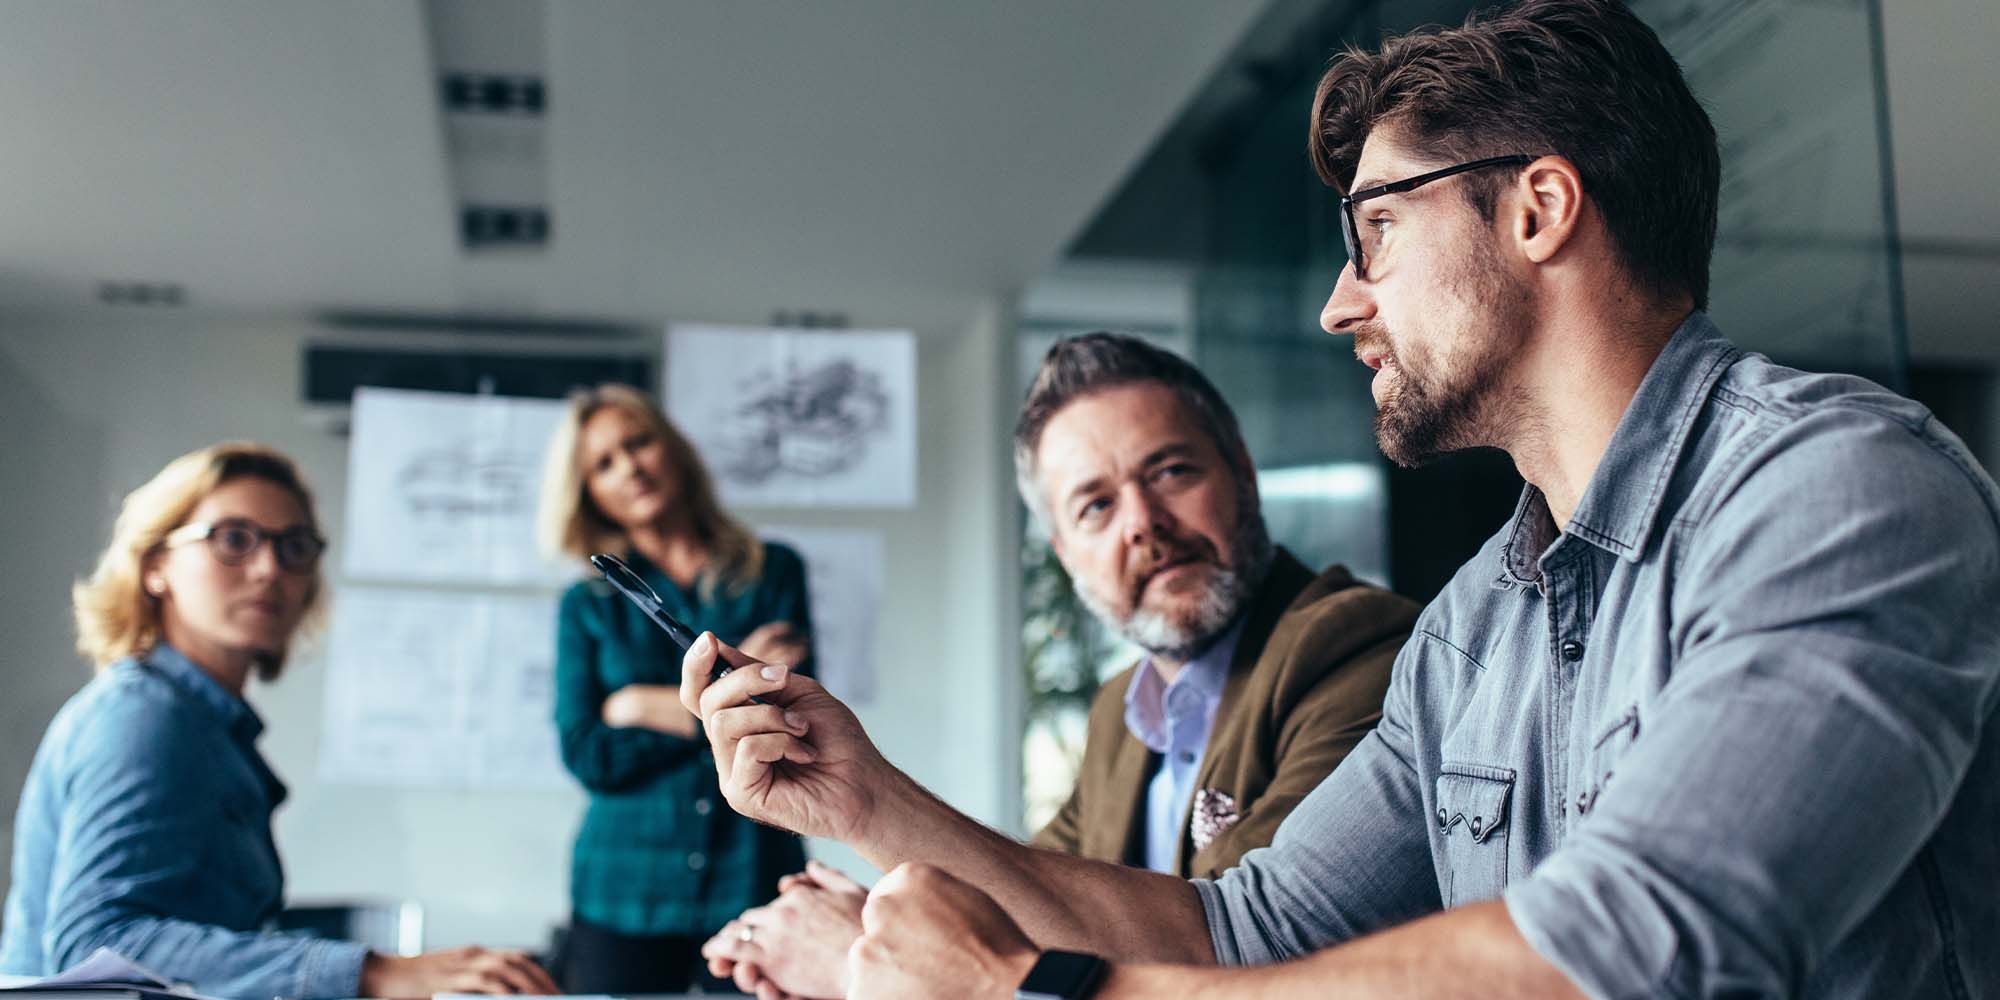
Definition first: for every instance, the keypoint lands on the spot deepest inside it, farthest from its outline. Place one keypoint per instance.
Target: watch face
(1061, 975)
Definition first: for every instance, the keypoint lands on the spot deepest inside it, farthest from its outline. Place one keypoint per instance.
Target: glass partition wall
(1223, 245)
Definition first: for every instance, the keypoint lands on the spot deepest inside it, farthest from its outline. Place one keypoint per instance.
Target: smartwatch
(1062, 975)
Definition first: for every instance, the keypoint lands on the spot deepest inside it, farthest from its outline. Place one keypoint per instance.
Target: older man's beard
(1438, 405)
(1226, 589)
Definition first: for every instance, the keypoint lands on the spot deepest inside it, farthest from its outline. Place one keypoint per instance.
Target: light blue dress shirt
(1732, 732)
(145, 827)
(1173, 721)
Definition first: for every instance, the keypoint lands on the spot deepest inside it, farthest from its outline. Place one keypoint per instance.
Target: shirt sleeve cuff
(1215, 910)
(331, 969)
(1571, 931)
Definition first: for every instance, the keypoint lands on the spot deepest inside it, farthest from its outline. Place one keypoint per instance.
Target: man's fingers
(765, 749)
(756, 754)
(747, 976)
(833, 878)
(719, 945)
(698, 663)
(695, 666)
(733, 724)
(767, 679)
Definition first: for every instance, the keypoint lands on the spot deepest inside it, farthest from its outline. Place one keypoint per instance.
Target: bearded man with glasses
(1713, 715)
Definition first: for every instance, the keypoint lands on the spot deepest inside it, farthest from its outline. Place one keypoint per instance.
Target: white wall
(90, 410)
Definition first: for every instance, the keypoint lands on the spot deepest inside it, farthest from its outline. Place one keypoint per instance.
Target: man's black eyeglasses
(234, 540)
(1360, 245)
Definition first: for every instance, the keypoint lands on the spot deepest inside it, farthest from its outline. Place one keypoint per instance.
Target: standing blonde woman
(660, 862)
(145, 824)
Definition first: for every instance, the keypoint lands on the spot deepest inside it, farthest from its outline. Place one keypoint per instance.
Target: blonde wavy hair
(115, 617)
(570, 524)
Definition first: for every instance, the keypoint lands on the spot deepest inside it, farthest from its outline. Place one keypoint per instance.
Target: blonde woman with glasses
(145, 823)
(660, 862)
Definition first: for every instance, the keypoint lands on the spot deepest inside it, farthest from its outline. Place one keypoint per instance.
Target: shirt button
(702, 807)
(697, 860)
(1187, 758)
(1572, 650)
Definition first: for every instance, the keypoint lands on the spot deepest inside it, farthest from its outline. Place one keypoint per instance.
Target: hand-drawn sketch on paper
(439, 689)
(845, 574)
(798, 418)
(442, 488)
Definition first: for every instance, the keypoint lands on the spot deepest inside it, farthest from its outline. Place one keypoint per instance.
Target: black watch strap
(1062, 975)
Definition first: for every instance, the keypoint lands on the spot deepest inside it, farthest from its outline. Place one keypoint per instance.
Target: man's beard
(1437, 405)
(1226, 589)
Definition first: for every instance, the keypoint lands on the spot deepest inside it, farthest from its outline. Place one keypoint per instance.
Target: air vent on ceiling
(493, 93)
(491, 64)
(482, 226)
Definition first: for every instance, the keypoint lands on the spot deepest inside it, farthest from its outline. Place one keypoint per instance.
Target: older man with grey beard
(1258, 676)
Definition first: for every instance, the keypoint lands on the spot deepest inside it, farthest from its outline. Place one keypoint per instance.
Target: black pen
(621, 577)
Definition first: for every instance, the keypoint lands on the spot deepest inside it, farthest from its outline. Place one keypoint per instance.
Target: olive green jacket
(1305, 685)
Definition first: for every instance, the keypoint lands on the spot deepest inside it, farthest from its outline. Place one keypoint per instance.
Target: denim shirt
(145, 827)
(1173, 720)
(1729, 733)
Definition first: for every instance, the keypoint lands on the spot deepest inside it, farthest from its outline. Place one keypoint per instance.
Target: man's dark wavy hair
(1582, 79)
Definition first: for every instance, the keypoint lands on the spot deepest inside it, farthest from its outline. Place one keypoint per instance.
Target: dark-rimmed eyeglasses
(1361, 243)
(234, 540)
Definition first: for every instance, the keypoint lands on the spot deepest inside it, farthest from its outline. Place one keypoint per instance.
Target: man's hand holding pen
(799, 760)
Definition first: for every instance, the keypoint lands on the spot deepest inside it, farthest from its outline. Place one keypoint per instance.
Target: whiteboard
(441, 689)
(442, 488)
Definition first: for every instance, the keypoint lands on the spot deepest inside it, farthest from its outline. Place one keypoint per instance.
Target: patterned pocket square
(1214, 812)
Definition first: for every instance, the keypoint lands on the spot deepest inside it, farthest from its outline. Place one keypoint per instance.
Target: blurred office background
(196, 195)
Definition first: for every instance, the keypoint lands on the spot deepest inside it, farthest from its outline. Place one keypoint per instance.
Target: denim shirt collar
(236, 714)
(1622, 502)
(1149, 706)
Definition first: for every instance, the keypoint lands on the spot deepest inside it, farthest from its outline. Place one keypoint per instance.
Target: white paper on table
(438, 689)
(106, 966)
(442, 488)
(798, 418)
(846, 571)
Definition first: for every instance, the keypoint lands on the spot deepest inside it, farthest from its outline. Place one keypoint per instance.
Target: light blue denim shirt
(145, 827)
(1729, 734)
(1173, 720)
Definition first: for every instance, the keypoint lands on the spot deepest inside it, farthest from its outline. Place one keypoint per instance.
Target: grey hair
(1076, 367)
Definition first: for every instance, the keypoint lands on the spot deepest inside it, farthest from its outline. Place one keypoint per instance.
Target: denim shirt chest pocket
(1472, 807)
(1608, 744)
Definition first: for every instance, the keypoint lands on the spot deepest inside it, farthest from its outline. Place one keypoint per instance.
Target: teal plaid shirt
(659, 851)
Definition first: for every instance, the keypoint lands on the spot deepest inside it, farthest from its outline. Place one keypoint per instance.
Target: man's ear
(1548, 209)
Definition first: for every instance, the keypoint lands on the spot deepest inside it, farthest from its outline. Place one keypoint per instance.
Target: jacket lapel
(1125, 832)
(1287, 578)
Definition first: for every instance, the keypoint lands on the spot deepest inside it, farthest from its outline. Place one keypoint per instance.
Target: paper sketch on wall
(442, 488)
(439, 689)
(845, 573)
(798, 418)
